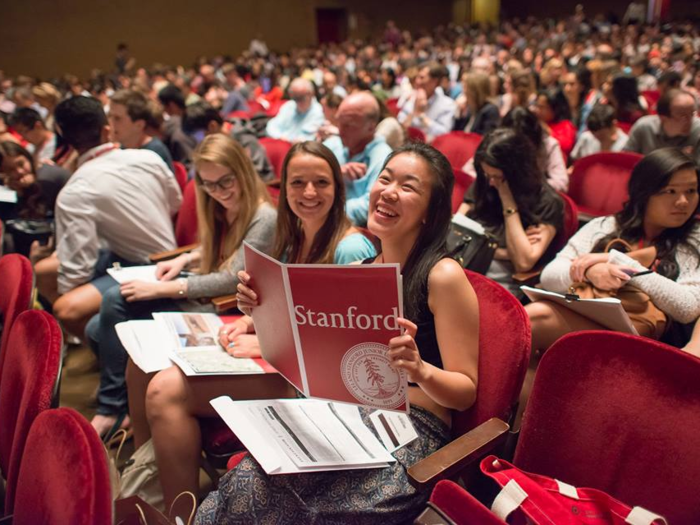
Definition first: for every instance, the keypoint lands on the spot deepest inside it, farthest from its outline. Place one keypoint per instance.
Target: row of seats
(606, 411)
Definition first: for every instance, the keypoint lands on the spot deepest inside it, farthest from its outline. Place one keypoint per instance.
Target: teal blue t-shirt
(355, 247)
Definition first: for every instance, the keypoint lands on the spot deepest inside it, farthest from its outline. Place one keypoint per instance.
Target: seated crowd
(358, 182)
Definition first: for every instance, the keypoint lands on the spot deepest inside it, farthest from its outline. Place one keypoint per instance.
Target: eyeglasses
(224, 183)
(299, 97)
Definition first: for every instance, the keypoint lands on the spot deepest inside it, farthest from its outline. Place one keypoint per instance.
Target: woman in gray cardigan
(232, 207)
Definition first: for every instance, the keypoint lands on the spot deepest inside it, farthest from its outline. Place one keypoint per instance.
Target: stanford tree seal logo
(368, 375)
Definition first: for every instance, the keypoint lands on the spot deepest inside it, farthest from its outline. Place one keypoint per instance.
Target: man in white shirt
(429, 109)
(116, 207)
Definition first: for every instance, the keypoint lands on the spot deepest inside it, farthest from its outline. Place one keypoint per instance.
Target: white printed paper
(189, 340)
(8, 195)
(125, 274)
(303, 435)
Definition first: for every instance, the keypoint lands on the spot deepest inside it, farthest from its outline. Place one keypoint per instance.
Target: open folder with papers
(188, 340)
(607, 312)
(289, 436)
(326, 328)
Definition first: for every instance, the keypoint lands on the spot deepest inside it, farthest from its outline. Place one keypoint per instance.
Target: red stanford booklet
(326, 328)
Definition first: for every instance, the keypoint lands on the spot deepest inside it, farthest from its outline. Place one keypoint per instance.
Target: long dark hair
(626, 95)
(650, 176)
(557, 101)
(514, 154)
(430, 246)
(34, 206)
(524, 121)
(290, 235)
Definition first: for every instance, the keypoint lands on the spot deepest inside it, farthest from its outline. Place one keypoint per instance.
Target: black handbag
(26, 231)
(470, 245)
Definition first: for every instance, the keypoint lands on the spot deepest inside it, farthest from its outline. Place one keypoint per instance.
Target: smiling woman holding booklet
(311, 228)
(660, 273)
(409, 212)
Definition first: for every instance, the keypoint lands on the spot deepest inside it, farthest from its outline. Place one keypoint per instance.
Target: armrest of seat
(432, 515)
(224, 302)
(171, 254)
(275, 183)
(460, 453)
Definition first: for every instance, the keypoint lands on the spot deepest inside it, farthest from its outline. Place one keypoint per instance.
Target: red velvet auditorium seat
(16, 284)
(27, 387)
(64, 477)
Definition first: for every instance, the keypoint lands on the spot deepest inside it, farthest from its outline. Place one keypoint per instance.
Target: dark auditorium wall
(557, 8)
(49, 37)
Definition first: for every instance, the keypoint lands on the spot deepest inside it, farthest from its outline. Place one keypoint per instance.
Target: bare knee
(69, 309)
(540, 312)
(166, 391)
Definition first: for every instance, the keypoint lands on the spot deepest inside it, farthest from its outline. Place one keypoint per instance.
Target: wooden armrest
(171, 254)
(432, 515)
(275, 183)
(458, 454)
(224, 302)
(526, 277)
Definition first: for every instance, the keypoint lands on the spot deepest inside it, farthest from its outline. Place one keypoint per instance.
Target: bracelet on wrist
(509, 211)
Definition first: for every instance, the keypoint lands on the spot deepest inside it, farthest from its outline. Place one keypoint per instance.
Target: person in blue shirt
(300, 118)
(361, 155)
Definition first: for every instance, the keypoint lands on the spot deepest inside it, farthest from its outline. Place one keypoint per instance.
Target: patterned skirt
(247, 495)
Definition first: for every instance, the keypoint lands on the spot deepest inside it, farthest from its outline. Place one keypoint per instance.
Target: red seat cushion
(598, 182)
(621, 414)
(180, 175)
(503, 354)
(186, 223)
(27, 387)
(457, 146)
(64, 478)
(276, 150)
(16, 283)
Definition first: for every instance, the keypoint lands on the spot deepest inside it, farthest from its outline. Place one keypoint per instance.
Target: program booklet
(189, 340)
(607, 311)
(326, 328)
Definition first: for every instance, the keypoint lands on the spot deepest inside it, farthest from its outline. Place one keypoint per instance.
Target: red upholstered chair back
(624, 126)
(64, 477)
(457, 146)
(416, 135)
(598, 183)
(255, 107)
(2, 237)
(16, 284)
(186, 223)
(180, 175)
(392, 105)
(276, 150)
(504, 352)
(570, 221)
(652, 97)
(462, 183)
(275, 107)
(27, 387)
(618, 413)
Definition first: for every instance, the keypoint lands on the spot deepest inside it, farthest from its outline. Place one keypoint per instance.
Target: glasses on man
(299, 97)
(224, 183)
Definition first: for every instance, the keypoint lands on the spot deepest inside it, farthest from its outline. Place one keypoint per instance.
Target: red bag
(538, 500)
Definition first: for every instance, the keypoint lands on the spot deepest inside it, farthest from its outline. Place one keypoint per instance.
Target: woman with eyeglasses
(312, 228)
(232, 207)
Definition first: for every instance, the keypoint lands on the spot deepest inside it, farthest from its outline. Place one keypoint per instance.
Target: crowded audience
(323, 155)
